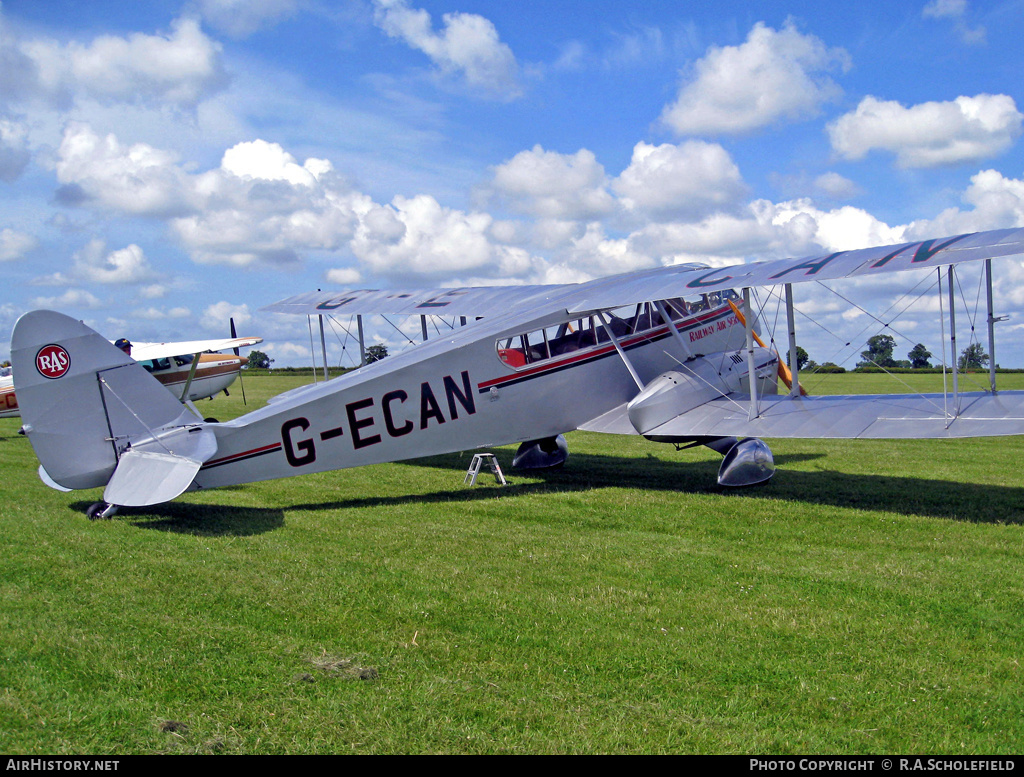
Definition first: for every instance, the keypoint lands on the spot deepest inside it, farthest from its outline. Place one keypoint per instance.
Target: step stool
(479, 459)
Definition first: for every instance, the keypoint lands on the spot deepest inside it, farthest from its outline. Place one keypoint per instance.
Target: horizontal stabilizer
(148, 478)
(866, 416)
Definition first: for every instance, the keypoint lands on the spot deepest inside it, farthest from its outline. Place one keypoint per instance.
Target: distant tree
(879, 352)
(259, 360)
(375, 353)
(919, 356)
(801, 358)
(973, 357)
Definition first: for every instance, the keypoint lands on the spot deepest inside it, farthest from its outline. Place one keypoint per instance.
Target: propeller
(241, 383)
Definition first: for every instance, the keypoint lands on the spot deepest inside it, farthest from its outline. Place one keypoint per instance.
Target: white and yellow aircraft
(658, 353)
(190, 370)
(194, 369)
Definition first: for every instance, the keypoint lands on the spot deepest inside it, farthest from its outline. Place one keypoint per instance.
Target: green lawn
(870, 599)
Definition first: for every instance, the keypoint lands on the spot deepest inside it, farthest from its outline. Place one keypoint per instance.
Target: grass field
(870, 599)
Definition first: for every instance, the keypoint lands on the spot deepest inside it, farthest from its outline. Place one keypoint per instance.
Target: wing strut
(660, 306)
(751, 372)
(362, 341)
(618, 347)
(952, 343)
(794, 362)
(191, 376)
(323, 345)
(992, 321)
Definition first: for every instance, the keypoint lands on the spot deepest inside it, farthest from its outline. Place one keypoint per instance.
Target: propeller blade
(241, 383)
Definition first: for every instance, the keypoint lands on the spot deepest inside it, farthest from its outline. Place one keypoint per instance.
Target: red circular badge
(53, 361)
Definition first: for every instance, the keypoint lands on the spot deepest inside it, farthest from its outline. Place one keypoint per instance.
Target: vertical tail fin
(84, 402)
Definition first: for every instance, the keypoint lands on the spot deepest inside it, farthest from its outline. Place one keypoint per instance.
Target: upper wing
(661, 282)
(468, 301)
(682, 281)
(143, 351)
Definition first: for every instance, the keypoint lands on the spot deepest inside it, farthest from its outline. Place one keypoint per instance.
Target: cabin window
(155, 365)
(586, 332)
(184, 360)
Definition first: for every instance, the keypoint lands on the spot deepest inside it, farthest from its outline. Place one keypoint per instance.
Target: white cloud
(468, 44)
(93, 264)
(956, 10)
(269, 162)
(837, 187)
(997, 203)
(138, 179)
(685, 181)
(435, 240)
(552, 185)
(180, 68)
(775, 75)
(157, 314)
(241, 18)
(215, 317)
(344, 276)
(124, 266)
(72, 298)
(14, 245)
(929, 134)
(14, 150)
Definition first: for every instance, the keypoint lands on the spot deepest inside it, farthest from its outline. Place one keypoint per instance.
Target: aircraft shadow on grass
(900, 494)
(204, 520)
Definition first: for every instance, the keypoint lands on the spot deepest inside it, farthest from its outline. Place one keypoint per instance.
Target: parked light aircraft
(659, 353)
(8, 401)
(172, 365)
(193, 369)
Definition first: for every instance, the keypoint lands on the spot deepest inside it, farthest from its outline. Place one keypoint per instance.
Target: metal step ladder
(479, 459)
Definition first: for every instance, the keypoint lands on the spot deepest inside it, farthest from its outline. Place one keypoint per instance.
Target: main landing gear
(99, 511)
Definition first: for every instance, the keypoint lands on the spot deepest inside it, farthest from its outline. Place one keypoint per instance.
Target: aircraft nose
(243, 360)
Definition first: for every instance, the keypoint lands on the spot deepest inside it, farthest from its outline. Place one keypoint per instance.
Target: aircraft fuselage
(463, 392)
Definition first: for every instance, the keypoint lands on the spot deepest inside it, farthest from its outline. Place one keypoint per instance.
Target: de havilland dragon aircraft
(660, 353)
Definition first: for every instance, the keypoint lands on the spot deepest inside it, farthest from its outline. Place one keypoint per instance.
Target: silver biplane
(660, 353)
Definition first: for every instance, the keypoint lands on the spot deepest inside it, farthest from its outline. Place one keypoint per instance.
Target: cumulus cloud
(137, 179)
(930, 134)
(241, 18)
(93, 264)
(180, 68)
(468, 44)
(215, 317)
(14, 245)
(996, 202)
(14, 150)
(774, 75)
(72, 298)
(123, 266)
(344, 276)
(434, 240)
(157, 314)
(552, 185)
(956, 11)
(835, 186)
(685, 181)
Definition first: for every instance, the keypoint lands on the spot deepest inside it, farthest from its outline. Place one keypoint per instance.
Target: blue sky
(166, 165)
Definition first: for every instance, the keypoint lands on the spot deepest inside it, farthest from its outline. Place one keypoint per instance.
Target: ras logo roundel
(53, 361)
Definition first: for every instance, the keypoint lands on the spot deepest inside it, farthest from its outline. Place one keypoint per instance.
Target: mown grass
(869, 599)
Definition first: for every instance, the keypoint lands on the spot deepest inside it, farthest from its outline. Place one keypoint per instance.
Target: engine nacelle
(698, 381)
